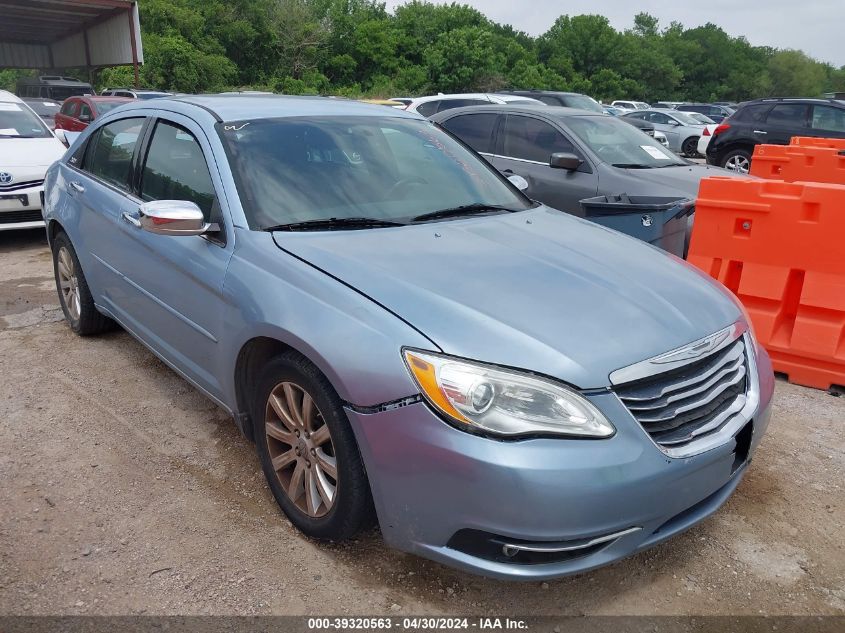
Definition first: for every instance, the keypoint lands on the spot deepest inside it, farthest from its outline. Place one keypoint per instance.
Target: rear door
(784, 121)
(98, 186)
(523, 147)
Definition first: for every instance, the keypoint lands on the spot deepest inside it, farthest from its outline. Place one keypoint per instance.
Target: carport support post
(134, 46)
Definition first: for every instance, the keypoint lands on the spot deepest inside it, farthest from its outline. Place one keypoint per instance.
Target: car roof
(236, 107)
(556, 112)
(8, 97)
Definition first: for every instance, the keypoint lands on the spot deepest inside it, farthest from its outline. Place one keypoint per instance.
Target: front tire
(308, 451)
(690, 147)
(738, 160)
(74, 295)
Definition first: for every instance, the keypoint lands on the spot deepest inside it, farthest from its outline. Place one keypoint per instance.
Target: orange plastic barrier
(799, 163)
(809, 141)
(779, 247)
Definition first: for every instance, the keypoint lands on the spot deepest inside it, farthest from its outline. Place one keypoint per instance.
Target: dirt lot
(125, 491)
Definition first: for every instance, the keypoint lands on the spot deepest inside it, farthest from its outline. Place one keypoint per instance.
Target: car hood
(538, 290)
(30, 152)
(682, 180)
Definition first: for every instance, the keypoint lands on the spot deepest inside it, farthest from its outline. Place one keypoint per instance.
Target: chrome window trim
(519, 160)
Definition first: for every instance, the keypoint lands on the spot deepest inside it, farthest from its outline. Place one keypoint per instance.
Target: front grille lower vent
(16, 186)
(682, 405)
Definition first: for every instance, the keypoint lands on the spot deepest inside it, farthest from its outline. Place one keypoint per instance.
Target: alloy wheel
(738, 163)
(301, 450)
(69, 283)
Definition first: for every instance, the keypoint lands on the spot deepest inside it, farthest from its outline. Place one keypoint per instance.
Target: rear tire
(308, 451)
(738, 160)
(74, 295)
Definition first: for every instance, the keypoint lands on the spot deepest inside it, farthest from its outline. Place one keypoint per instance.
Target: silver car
(405, 336)
(681, 129)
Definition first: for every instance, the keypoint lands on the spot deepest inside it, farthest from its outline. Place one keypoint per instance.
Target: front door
(178, 304)
(784, 121)
(524, 147)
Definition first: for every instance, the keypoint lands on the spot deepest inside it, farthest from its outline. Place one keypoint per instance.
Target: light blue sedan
(405, 336)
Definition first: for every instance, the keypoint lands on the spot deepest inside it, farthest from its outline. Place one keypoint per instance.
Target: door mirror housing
(85, 118)
(673, 123)
(518, 181)
(59, 133)
(565, 160)
(174, 217)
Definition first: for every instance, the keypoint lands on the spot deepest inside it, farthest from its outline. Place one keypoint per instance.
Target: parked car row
(405, 335)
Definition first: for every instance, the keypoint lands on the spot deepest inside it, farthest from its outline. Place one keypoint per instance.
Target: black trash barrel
(658, 220)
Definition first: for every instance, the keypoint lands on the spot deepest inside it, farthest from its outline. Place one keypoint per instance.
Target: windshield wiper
(332, 224)
(466, 209)
(632, 166)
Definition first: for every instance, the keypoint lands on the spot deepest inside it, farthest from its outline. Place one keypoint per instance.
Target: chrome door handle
(131, 219)
(760, 132)
(77, 186)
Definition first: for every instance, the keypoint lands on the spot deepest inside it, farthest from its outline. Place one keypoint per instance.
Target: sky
(815, 26)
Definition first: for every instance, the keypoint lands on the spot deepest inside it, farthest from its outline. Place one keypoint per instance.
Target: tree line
(357, 48)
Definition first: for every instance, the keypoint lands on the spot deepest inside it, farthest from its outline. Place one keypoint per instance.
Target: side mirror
(518, 181)
(85, 118)
(60, 134)
(673, 123)
(173, 217)
(565, 160)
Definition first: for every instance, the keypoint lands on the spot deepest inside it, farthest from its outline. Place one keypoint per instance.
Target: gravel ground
(125, 491)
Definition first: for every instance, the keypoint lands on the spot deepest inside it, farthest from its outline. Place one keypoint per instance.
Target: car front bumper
(431, 482)
(21, 208)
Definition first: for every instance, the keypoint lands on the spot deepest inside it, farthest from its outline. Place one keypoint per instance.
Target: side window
(532, 139)
(428, 108)
(476, 130)
(754, 113)
(637, 115)
(110, 157)
(788, 115)
(659, 118)
(828, 118)
(448, 104)
(69, 107)
(175, 169)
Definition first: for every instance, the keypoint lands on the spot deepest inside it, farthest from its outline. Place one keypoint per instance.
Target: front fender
(354, 341)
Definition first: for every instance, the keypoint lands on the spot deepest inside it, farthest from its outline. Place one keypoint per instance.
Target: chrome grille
(21, 185)
(680, 406)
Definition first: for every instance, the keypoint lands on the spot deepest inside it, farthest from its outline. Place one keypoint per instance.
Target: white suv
(27, 149)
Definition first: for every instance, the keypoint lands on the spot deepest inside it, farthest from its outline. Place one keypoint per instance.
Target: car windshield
(621, 144)
(106, 106)
(686, 118)
(583, 102)
(301, 169)
(17, 120)
(702, 118)
(43, 107)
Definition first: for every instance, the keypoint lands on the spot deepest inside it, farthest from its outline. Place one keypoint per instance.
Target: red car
(78, 112)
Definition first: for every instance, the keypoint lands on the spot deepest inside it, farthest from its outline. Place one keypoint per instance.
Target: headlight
(503, 402)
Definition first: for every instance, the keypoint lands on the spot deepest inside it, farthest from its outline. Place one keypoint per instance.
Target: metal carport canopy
(57, 34)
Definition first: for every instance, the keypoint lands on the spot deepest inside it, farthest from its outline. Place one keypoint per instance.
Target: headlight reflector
(503, 402)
